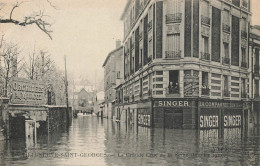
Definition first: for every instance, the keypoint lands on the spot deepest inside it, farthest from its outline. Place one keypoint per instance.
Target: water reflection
(93, 141)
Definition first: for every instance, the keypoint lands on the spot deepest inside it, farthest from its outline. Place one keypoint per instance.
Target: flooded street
(93, 141)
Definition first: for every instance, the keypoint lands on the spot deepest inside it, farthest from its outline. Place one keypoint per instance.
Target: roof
(125, 9)
(115, 50)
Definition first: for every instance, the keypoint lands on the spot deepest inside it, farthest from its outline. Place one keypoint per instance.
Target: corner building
(185, 63)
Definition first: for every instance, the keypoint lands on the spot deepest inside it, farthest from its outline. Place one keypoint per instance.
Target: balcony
(150, 25)
(243, 34)
(205, 20)
(226, 61)
(205, 56)
(226, 28)
(173, 18)
(244, 4)
(236, 3)
(244, 64)
(171, 90)
(244, 95)
(226, 93)
(173, 54)
(126, 98)
(205, 91)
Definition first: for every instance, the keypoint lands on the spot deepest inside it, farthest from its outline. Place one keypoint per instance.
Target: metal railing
(244, 64)
(205, 56)
(173, 18)
(173, 54)
(173, 90)
(225, 60)
(243, 95)
(205, 91)
(226, 28)
(243, 34)
(226, 93)
(205, 20)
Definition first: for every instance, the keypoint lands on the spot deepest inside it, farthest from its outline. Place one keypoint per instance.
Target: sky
(83, 30)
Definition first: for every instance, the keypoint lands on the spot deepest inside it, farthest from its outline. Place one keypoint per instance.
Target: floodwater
(93, 141)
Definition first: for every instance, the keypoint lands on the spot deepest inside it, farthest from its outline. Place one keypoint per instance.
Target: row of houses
(185, 64)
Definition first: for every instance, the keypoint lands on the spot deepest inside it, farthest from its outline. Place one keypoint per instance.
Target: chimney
(118, 43)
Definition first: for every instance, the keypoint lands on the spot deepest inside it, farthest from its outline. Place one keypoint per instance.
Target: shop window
(173, 87)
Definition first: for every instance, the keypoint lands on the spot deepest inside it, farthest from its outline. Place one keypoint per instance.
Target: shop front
(174, 113)
(220, 114)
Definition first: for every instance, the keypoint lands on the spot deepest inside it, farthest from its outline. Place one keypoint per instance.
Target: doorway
(173, 118)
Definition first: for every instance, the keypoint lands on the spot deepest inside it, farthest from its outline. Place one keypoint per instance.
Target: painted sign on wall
(144, 117)
(191, 83)
(30, 92)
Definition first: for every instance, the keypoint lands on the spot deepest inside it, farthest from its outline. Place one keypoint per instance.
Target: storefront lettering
(144, 119)
(232, 120)
(172, 103)
(219, 104)
(208, 121)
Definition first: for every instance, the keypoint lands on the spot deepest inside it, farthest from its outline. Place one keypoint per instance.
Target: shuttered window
(173, 42)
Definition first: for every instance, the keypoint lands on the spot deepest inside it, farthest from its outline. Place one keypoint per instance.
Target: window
(226, 50)
(256, 88)
(141, 57)
(243, 88)
(243, 24)
(118, 75)
(205, 8)
(150, 49)
(205, 44)
(205, 84)
(173, 86)
(226, 17)
(172, 6)
(173, 46)
(226, 88)
(244, 63)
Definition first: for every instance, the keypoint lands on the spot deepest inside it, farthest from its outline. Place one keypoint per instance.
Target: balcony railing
(173, 54)
(173, 18)
(244, 64)
(226, 93)
(226, 60)
(256, 69)
(205, 20)
(205, 56)
(244, 4)
(150, 25)
(126, 98)
(226, 28)
(205, 91)
(236, 3)
(173, 90)
(243, 95)
(243, 34)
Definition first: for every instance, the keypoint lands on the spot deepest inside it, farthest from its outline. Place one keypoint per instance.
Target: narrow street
(93, 141)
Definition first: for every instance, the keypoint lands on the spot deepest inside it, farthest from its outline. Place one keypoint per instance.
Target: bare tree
(10, 67)
(37, 19)
(39, 64)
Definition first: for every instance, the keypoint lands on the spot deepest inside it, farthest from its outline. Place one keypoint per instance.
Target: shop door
(173, 118)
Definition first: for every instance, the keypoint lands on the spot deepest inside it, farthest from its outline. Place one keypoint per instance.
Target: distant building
(186, 63)
(83, 101)
(113, 76)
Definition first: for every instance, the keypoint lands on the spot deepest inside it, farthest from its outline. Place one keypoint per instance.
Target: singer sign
(29, 92)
